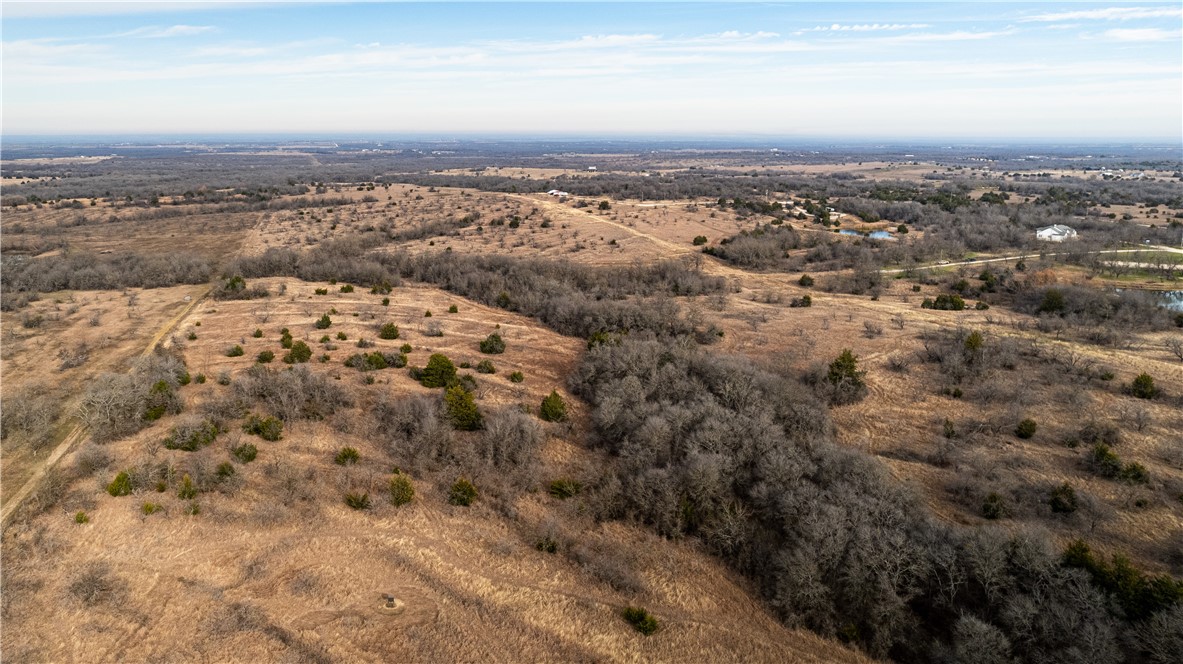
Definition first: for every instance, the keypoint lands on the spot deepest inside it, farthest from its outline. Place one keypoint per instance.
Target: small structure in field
(1055, 233)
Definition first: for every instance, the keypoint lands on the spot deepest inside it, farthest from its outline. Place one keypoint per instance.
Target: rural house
(1055, 233)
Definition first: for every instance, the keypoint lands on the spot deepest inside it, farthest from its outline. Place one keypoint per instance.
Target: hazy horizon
(980, 72)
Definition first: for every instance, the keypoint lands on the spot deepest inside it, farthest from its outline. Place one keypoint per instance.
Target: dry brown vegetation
(276, 567)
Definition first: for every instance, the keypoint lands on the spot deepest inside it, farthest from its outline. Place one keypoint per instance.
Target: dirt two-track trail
(78, 433)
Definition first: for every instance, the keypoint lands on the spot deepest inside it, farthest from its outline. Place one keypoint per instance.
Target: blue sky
(1052, 71)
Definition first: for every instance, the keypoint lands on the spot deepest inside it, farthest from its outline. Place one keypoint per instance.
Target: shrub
(486, 367)
(187, 491)
(1026, 428)
(365, 343)
(700, 240)
(402, 491)
(1053, 302)
(325, 339)
(225, 470)
(346, 456)
(191, 434)
(516, 377)
(944, 302)
(1104, 461)
(199, 379)
(96, 585)
(92, 458)
(80, 517)
(1134, 473)
(161, 399)
(258, 334)
(641, 620)
(1063, 499)
(405, 348)
(805, 281)
(299, 354)
(149, 509)
(803, 301)
(440, 372)
(1139, 594)
(427, 314)
(245, 453)
(547, 544)
(388, 331)
(285, 340)
(235, 351)
(386, 302)
(565, 488)
(192, 336)
(347, 288)
(358, 500)
(493, 344)
(462, 410)
(1143, 387)
(453, 309)
(324, 322)
(462, 493)
(553, 408)
(265, 356)
(321, 291)
(846, 379)
(267, 428)
(994, 507)
(121, 485)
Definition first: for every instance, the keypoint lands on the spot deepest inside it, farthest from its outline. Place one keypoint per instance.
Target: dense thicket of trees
(87, 271)
(713, 446)
(573, 299)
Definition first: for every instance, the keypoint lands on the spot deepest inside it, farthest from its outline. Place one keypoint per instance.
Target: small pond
(874, 235)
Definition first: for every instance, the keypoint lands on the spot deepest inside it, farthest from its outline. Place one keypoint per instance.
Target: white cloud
(156, 31)
(959, 35)
(68, 9)
(1142, 35)
(1108, 14)
(865, 27)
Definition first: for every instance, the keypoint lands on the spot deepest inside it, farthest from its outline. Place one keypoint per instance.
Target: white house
(1055, 233)
(556, 192)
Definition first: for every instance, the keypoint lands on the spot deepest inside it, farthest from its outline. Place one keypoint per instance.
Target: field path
(1001, 259)
(79, 431)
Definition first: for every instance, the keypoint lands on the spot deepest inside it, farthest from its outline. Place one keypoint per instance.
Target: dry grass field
(276, 567)
(268, 573)
(95, 331)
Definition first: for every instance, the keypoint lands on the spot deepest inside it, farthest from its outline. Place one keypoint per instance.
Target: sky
(882, 70)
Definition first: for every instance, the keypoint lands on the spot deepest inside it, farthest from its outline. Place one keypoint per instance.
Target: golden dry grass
(256, 579)
(261, 575)
(30, 357)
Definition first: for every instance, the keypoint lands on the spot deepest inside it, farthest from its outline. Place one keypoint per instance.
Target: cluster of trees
(1083, 308)
(115, 405)
(712, 446)
(763, 247)
(573, 299)
(86, 271)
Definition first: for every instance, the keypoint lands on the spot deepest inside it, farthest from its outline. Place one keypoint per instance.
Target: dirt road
(78, 433)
